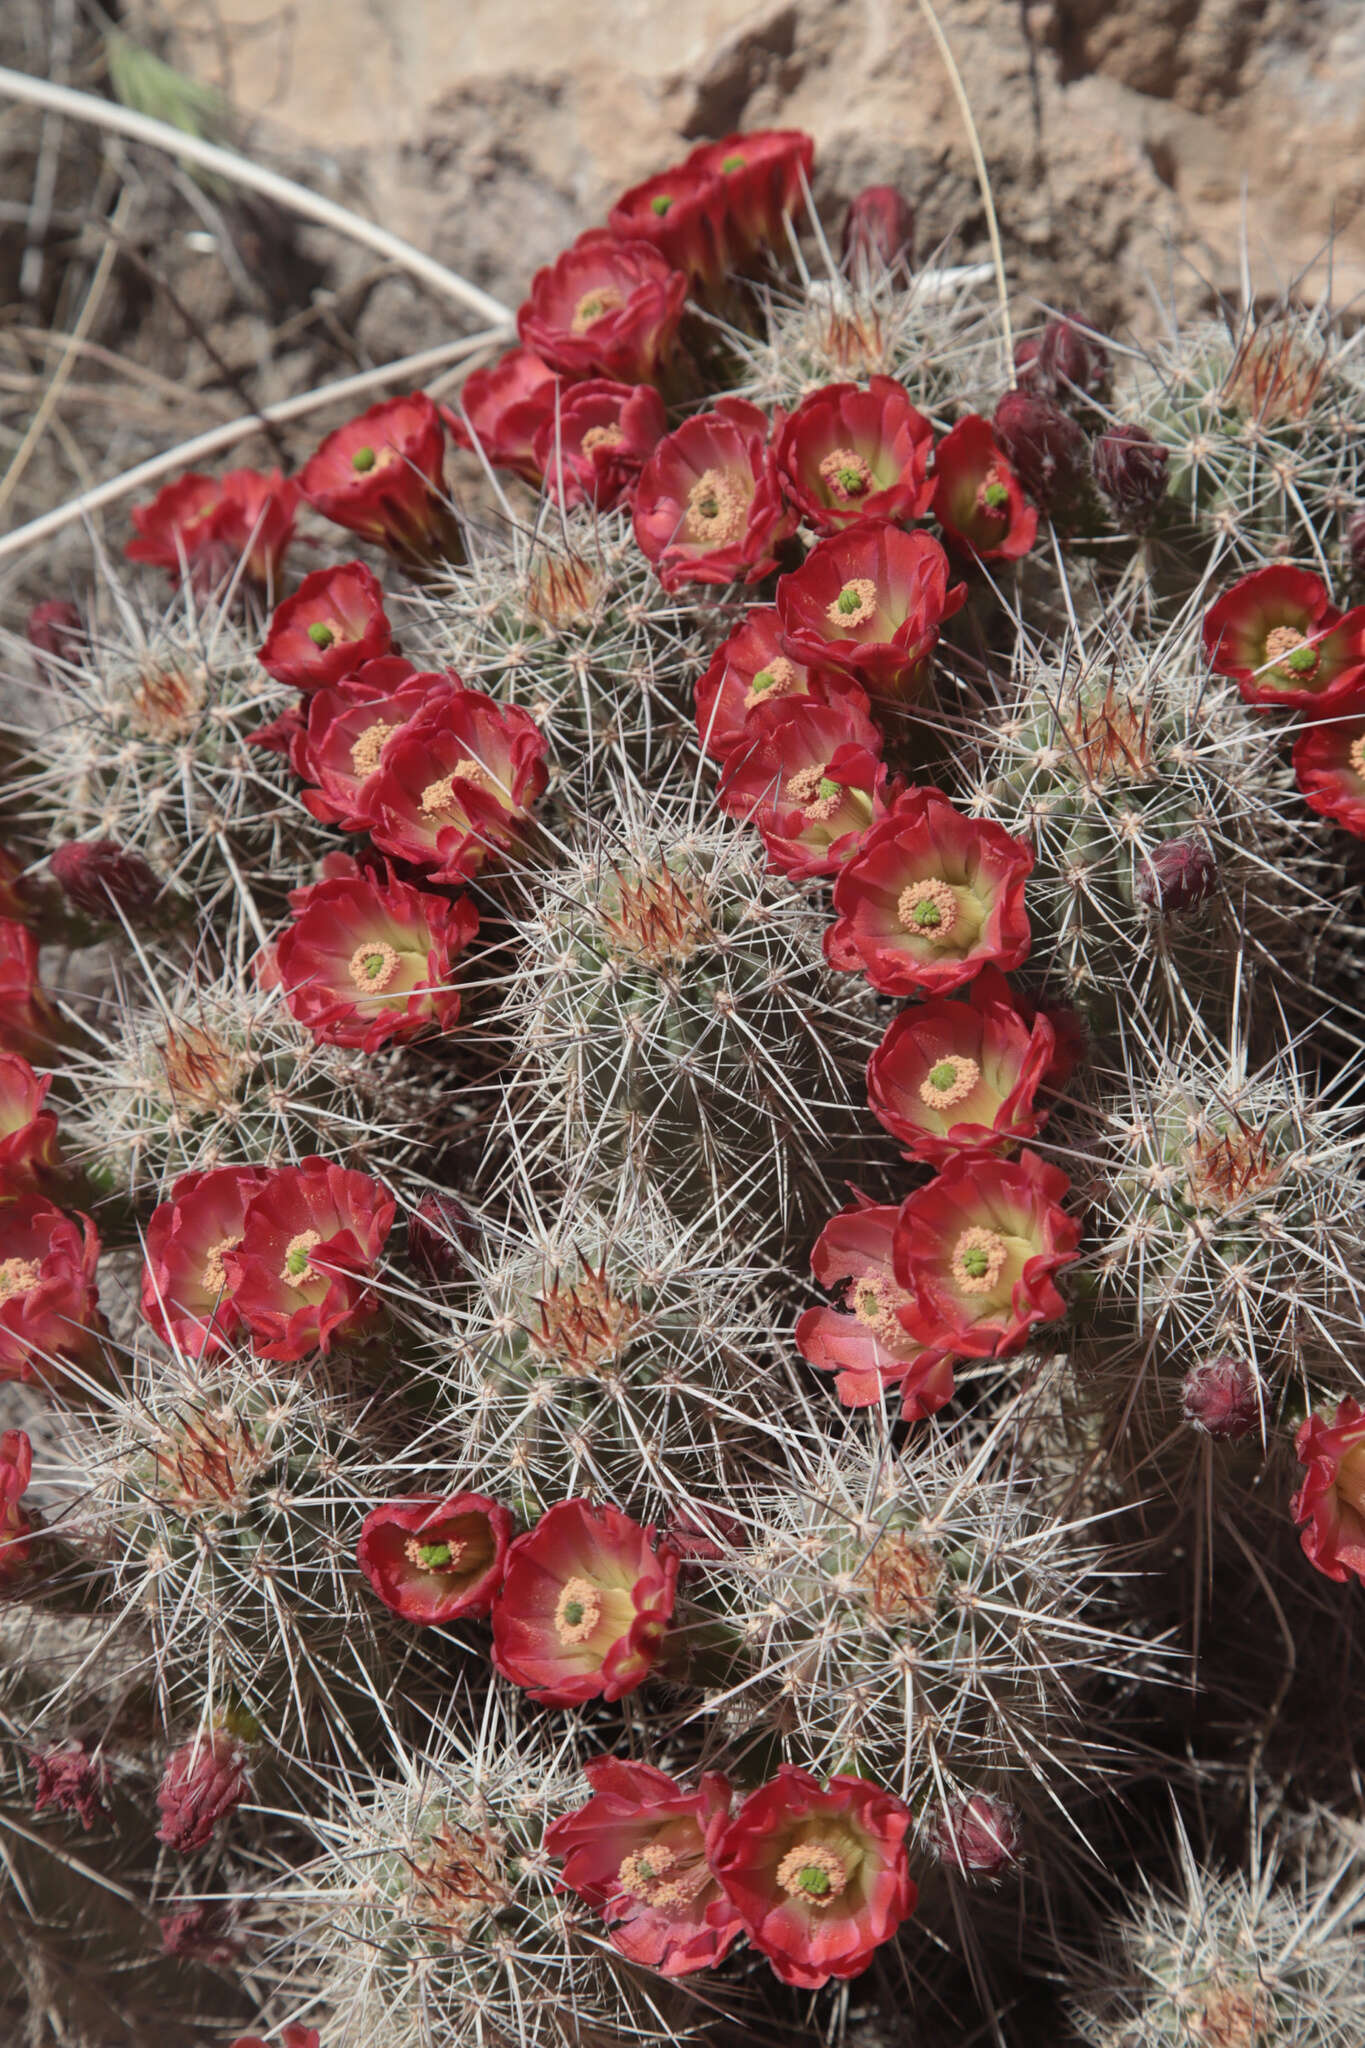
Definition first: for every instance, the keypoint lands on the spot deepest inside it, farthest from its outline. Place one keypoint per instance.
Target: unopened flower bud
(979, 1836)
(440, 1232)
(102, 878)
(1064, 361)
(879, 227)
(72, 1781)
(56, 635)
(1048, 450)
(197, 1935)
(201, 1785)
(1355, 543)
(1130, 468)
(1175, 875)
(1220, 1398)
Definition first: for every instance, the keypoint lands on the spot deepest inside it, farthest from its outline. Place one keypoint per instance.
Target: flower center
(846, 475)
(373, 966)
(363, 461)
(1356, 757)
(602, 437)
(660, 1877)
(17, 1276)
(949, 1082)
(717, 509)
(321, 634)
(818, 794)
(594, 306)
(733, 163)
(855, 604)
(660, 203)
(1290, 652)
(873, 1303)
(978, 1260)
(439, 797)
(366, 750)
(578, 1611)
(812, 1873)
(433, 1557)
(297, 1269)
(928, 908)
(214, 1275)
(778, 679)
(993, 493)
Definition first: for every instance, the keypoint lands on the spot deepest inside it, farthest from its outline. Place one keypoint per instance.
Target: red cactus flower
(49, 1313)
(1277, 637)
(976, 1837)
(605, 308)
(70, 1780)
(750, 669)
(810, 777)
(954, 1077)
(456, 783)
(340, 747)
(369, 960)
(930, 898)
(848, 454)
(708, 508)
(27, 1019)
(103, 879)
(820, 1876)
(977, 499)
(582, 1611)
(186, 1293)
(382, 476)
(16, 1470)
(594, 447)
(28, 1132)
(503, 408)
(203, 1783)
(764, 176)
(209, 525)
(432, 1560)
(311, 1236)
(978, 1248)
(640, 1851)
(682, 214)
(869, 601)
(56, 632)
(879, 227)
(1330, 1505)
(1329, 767)
(865, 1342)
(332, 624)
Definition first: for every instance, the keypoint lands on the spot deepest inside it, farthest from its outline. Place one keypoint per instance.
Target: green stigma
(764, 680)
(848, 599)
(943, 1075)
(320, 635)
(852, 481)
(372, 965)
(573, 1612)
(976, 1261)
(996, 496)
(363, 460)
(927, 914)
(1302, 660)
(829, 789)
(813, 1880)
(733, 163)
(432, 1557)
(297, 1259)
(660, 204)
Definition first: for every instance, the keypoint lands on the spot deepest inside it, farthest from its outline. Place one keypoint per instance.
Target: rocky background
(1137, 149)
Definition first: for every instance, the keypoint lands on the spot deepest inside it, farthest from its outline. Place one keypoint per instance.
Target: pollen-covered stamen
(214, 1275)
(812, 1873)
(855, 604)
(993, 493)
(297, 1269)
(594, 306)
(17, 1276)
(433, 1557)
(928, 908)
(1356, 756)
(658, 1876)
(978, 1260)
(373, 966)
(846, 475)
(440, 799)
(602, 437)
(949, 1081)
(873, 1303)
(1290, 651)
(577, 1612)
(365, 750)
(816, 791)
(717, 508)
(778, 679)
(321, 634)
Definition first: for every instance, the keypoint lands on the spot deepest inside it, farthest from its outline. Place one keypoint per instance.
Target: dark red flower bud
(201, 1785)
(72, 1780)
(1130, 468)
(196, 1935)
(440, 1232)
(1065, 360)
(103, 878)
(1048, 449)
(1220, 1398)
(977, 1836)
(706, 1536)
(1176, 875)
(879, 227)
(1355, 542)
(56, 634)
